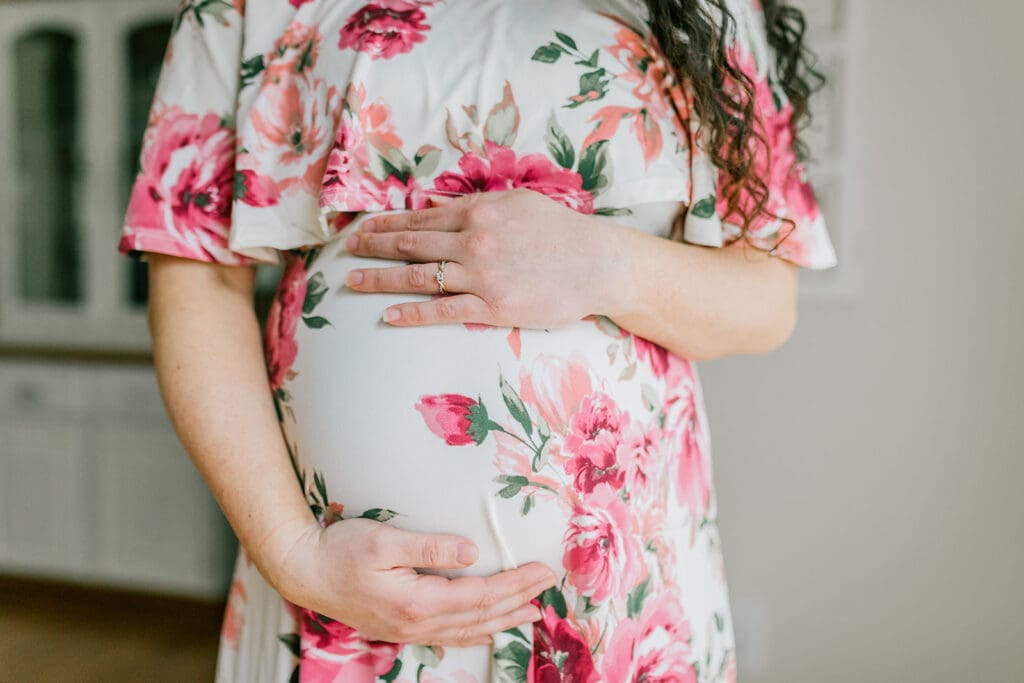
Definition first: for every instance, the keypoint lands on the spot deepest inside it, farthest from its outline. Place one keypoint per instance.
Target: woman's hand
(515, 258)
(361, 572)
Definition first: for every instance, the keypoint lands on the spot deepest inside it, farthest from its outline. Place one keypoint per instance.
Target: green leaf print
(591, 61)
(513, 662)
(426, 160)
(291, 641)
(316, 287)
(548, 54)
(705, 208)
(635, 602)
(200, 9)
(480, 424)
(592, 166)
(515, 405)
(379, 514)
(552, 596)
(614, 211)
(251, 69)
(514, 484)
(316, 322)
(559, 144)
(392, 673)
(527, 505)
(566, 39)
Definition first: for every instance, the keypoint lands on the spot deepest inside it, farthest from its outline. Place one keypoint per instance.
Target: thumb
(439, 551)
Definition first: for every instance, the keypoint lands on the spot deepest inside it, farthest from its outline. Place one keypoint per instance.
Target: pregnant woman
(507, 229)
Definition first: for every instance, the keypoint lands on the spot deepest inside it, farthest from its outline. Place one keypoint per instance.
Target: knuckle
(464, 635)
(479, 214)
(446, 309)
(412, 313)
(406, 243)
(432, 554)
(408, 612)
(476, 243)
(416, 277)
(486, 598)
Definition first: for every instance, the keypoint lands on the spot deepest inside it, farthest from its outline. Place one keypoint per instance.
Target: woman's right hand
(361, 572)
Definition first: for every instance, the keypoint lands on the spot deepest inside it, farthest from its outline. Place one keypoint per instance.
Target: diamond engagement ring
(439, 276)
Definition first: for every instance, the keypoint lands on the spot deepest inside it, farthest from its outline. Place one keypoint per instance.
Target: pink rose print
(255, 190)
(555, 386)
(186, 182)
(655, 647)
(283, 321)
(333, 652)
(693, 476)
(385, 28)
(448, 416)
(499, 169)
(603, 556)
(790, 195)
(298, 3)
(234, 614)
(593, 440)
(636, 455)
(560, 652)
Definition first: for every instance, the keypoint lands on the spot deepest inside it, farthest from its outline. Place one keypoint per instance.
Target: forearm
(209, 363)
(698, 302)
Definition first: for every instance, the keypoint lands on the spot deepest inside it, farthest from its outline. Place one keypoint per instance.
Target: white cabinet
(96, 487)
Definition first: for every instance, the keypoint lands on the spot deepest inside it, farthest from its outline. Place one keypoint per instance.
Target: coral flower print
(385, 28)
(602, 553)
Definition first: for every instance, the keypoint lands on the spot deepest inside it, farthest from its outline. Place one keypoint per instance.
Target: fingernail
(467, 553)
(351, 241)
(391, 314)
(354, 277)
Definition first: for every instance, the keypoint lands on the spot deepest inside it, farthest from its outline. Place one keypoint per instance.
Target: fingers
(457, 308)
(433, 551)
(492, 595)
(446, 214)
(416, 277)
(469, 633)
(406, 245)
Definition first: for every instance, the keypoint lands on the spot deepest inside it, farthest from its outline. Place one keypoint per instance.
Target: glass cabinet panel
(46, 109)
(144, 48)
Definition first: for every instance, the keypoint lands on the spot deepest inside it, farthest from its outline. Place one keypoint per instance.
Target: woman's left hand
(515, 258)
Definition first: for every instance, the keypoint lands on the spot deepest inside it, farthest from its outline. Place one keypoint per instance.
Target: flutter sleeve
(796, 231)
(183, 190)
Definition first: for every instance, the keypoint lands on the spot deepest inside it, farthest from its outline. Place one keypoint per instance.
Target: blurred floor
(52, 632)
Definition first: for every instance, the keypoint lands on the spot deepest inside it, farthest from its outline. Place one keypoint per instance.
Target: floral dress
(279, 125)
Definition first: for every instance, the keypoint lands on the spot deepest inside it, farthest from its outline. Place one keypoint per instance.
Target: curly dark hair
(691, 39)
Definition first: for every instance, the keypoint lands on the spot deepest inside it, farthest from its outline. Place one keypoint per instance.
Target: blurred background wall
(867, 472)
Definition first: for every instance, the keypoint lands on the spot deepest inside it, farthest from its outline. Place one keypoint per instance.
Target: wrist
(274, 554)
(613, 290)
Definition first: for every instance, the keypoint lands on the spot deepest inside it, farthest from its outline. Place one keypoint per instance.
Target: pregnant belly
(447, 428)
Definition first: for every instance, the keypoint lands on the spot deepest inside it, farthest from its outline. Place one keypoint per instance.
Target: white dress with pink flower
(586, 447)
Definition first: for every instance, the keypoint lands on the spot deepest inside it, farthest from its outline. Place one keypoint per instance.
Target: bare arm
(207, 350)
(699, 302)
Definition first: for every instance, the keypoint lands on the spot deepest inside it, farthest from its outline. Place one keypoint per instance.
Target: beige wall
(869, 473)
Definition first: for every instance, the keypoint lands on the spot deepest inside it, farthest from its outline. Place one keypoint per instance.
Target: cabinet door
(158, 526)
(44, 514)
